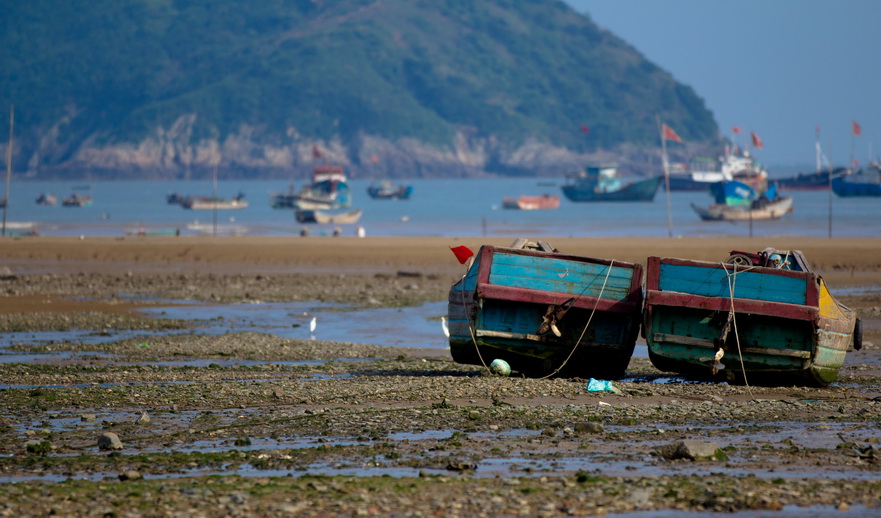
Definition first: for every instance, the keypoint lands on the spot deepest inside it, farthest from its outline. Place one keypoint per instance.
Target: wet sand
(455, 440)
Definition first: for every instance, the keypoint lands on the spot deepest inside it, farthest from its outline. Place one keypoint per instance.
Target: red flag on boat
(669, 134)
(735, 129)
(584, 129)
(757, 141)
(462, 253)
(854, 161)
(316, 153)
(857, 130)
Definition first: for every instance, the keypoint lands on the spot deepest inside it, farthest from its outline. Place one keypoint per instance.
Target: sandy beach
(248, 423)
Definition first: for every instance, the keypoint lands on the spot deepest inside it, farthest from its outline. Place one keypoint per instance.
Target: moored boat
(602, 183)
(46, 199)
(817, 181)
(325, 217)
(543, 202)
(865, 182)
(703, 172)
(736, 201)
(546, 313)
(388, 191)
(77, 200)
(329, 190)
(214, 203)
(768, 321)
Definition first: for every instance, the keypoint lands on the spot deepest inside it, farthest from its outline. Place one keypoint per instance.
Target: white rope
(470, 327)
(583, 331)
(733, 314)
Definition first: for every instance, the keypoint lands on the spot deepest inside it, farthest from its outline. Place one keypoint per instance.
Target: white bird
(444, 325)
(312, 324)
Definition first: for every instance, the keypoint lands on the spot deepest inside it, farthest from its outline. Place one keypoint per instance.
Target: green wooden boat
(546, 313)
(746, 321)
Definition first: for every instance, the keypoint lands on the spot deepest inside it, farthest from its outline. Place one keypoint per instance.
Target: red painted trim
(757, 307)
(653, 273)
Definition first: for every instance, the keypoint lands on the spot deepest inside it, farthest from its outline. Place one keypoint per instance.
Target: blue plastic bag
(595, 385)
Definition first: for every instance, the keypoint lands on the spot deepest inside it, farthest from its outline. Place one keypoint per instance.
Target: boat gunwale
(812, 286)
(485, 287)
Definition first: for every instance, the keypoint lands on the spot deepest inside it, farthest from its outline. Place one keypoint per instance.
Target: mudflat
(249, 423)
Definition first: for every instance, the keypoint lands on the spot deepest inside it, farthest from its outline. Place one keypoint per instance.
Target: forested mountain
(171, 88)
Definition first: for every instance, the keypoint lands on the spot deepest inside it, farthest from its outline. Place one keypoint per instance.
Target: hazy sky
(777, 67)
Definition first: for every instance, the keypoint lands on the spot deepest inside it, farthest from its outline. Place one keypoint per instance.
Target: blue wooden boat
(865, 182)
(602, 183)
(748, 321)
(389, 191)
(546, 313)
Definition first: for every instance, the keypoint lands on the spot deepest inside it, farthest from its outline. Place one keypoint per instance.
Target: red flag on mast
(757, 141)
(584, 129)
(735, 129)
(668, 134)
(857, 130)
(462, 253)
(316, 153)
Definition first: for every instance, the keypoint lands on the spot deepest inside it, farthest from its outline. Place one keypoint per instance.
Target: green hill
(162, 88)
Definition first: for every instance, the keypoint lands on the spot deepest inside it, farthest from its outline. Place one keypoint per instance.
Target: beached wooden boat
(756, 324)
(602, 183)
(543, 202)
(324, 217)
(545, 312)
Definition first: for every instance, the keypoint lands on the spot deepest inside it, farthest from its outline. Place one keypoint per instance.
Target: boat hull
(216, 205)
(328, 218)
(545, 202)
(847, 189)
(721, 212)
(379, 192)
(643, 190)
(787, 328)
(496, 312)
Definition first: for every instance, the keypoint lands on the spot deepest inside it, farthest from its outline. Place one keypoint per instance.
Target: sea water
(438, 207)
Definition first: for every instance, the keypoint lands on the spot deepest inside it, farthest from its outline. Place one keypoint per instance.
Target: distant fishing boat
(602, 183)
(702, 172)
(816, 181)
(736, 201)
(214, 203)
(175, 198)
(756, 318)
(546, 313)
(325, 217)
(329, 190)
(865, 182)
(543, 202)
(46, 199)
(77, 200)
(389, 191)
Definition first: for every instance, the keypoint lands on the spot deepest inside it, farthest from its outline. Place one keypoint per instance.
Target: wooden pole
(8, 163)
(666, 166)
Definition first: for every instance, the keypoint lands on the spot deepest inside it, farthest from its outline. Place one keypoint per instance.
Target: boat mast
(8, 163)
